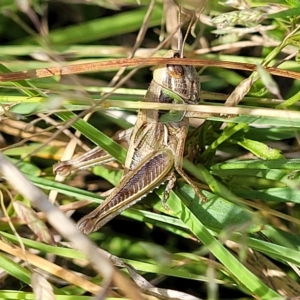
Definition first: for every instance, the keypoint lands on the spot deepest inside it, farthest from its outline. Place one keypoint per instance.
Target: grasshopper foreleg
(177, 137)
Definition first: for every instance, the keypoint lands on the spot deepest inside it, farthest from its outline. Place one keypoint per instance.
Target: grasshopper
(155, 146)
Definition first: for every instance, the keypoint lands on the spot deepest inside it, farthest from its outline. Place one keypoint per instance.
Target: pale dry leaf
(239, 92)
(238, 4)
(34, 133)
(42, 289)
(268, 81)
(268, 272)
(145, 285)
(171, 19)
(23, 5)
(66, 228)
(30, 217)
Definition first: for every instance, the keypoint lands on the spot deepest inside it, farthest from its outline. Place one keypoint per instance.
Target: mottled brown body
(155, 148)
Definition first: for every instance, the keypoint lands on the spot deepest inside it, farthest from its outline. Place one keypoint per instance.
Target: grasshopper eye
(175, 71)
(176, 55)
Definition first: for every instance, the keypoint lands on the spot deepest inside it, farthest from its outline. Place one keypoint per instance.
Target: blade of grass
(242, 275)
(95, 136)
(99, 29)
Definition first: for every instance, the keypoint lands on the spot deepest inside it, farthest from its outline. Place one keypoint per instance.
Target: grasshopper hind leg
(191, 183)
(171, 182)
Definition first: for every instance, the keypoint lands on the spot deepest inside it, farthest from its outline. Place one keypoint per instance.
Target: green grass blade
(99, 29)
(254, 285)
(95, 136)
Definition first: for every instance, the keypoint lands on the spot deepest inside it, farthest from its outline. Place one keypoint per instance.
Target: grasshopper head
(181, 79)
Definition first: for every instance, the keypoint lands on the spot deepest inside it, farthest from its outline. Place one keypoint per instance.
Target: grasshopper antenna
(180, 43)
(186, 34)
